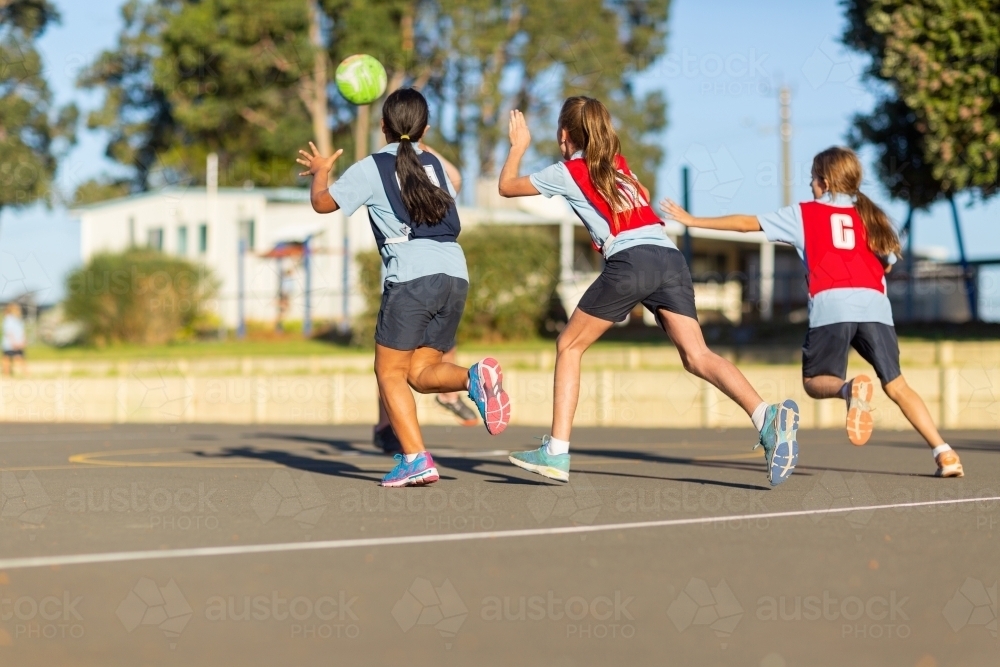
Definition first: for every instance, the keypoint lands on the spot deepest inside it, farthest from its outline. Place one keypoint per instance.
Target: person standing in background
(13, 338)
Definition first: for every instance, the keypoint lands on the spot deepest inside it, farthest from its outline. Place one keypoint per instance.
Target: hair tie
(404, 137)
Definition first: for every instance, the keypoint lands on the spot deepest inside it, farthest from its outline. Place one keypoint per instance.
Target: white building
(207, 228)
(193, 224)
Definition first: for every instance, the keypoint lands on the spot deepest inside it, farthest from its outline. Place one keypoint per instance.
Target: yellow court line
(96, 459)
(23, 468)
(85, 461)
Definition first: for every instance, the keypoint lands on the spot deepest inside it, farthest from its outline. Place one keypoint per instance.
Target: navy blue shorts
(424, 312)
(826, 348)
(653, 275)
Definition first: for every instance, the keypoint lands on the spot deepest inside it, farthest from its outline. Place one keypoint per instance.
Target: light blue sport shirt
(361, 185)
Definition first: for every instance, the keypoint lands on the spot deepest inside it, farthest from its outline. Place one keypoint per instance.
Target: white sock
(410, 458)
(758, 416)
(554, 446)
(940, 449)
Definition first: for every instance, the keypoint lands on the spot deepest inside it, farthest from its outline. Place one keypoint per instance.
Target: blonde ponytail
(588, 124)
(840, 169)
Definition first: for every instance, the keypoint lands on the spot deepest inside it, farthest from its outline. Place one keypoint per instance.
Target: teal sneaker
(781, 449)
(540, 461)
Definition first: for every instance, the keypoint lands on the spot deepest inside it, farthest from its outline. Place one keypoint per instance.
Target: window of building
(154, 238)
(182, 240)
(131, 232)
(247, 233)
(202, 239)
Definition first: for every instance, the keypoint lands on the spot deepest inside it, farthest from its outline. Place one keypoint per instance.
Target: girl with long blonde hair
(642, 265)
(847, 244)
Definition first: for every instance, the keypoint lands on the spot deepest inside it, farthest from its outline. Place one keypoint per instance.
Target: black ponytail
(405, 116)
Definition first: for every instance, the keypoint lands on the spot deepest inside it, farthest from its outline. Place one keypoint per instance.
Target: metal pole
(767, 248)
(686, 194)
(241, 327)
(785, 97)
(345, 305)
(281, 294)
(910, 283)
(307, 267)
(360, 152)
(566, 250)
(318, 103)
(970, 284)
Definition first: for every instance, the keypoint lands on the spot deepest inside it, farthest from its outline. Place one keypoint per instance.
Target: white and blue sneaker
(553, 466)
(418, 472)
(486, 391)
(778, 438)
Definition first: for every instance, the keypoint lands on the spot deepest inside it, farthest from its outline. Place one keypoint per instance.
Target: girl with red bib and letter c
(642, 265)
(847, 245)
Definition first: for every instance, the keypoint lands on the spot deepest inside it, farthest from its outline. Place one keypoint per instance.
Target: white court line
(129, 556)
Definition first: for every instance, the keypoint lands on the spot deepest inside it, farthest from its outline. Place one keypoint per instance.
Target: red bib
(836, 251)
(639, 216)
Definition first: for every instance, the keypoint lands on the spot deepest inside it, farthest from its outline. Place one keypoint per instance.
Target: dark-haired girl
(847, 245)
(411, 205)
(642, 266)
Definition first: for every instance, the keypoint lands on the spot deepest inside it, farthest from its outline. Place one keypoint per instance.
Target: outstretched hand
(520, 136)
(316, 163)
(675, 212)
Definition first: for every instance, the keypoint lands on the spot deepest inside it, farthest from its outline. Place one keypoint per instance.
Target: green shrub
(513, 273)
(139, 296)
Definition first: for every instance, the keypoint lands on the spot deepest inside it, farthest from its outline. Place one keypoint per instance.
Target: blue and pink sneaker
(486, 391)
(418, 472)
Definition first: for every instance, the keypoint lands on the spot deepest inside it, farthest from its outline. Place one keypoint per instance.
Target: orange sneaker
(859, 410)
(948, 465)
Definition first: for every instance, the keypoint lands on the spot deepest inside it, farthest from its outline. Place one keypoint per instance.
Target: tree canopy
(937, 124)
(190, 78)
(233, 76)
(30, 125)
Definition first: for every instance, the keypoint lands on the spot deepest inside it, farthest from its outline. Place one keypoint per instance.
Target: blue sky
(724, 64)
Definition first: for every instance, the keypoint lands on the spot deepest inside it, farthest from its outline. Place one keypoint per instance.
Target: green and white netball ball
(361, 79)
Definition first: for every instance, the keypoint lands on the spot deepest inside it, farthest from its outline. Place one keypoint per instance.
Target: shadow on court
(293, 460)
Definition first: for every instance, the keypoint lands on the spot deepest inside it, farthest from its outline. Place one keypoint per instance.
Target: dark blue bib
(445, 231)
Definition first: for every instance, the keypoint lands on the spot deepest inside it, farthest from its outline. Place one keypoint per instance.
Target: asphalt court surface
(667, 547)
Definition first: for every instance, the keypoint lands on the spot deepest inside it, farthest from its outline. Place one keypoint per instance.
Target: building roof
(536, 210)
(278, 195)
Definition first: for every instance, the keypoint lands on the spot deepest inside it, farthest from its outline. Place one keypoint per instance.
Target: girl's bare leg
(580, 333)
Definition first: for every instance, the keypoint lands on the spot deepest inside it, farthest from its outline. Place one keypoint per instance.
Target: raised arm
(731, 223)
(512, 185)
(319, 167)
